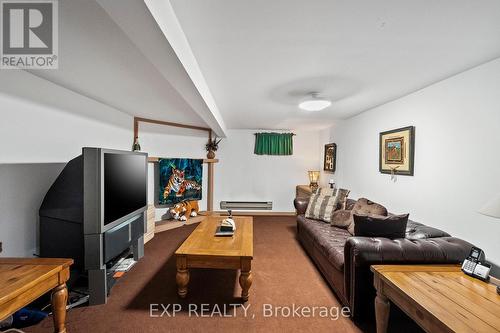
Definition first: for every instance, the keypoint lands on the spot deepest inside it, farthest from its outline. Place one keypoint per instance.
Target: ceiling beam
(145, 23)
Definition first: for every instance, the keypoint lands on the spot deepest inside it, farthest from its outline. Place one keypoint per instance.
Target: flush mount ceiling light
(315, 103)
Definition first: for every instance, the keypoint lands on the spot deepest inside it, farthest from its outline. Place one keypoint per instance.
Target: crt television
(114, 187)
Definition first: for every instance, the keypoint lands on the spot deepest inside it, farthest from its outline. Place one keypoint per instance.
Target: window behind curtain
(273, 143)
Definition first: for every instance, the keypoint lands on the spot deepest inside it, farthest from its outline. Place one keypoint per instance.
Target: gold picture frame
(397, 151)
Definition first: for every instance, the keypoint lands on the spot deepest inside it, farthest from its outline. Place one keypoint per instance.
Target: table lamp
(492, 209)
(313, 179)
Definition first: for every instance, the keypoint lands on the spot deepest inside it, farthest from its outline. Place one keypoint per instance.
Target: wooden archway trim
(138, 120)
(210, 189)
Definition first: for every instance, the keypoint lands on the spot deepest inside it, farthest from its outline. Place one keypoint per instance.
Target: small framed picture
(330, 158)
(397, 151)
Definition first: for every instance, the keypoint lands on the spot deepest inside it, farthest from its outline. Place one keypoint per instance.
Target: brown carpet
(283, 275)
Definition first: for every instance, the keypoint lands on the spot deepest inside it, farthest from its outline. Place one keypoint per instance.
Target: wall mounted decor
(330, 157)
(397, 151)
(212, 146)
(180, 179)
(210, 162)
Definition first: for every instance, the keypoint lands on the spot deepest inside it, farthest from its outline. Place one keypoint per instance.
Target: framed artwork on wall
(330, 158)
(397, 151)
(179, 179)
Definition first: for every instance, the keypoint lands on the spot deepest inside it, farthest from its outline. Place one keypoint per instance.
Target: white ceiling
(101, 58)
(261, 57)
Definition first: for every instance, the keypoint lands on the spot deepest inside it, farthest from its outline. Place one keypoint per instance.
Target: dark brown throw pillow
(391, 227)
(366, 207)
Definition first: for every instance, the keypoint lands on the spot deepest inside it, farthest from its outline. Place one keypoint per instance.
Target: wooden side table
(440, 298)
(22, 280)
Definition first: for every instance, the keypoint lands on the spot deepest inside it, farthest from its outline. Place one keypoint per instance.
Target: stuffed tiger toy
(184, 209)
(179, 185)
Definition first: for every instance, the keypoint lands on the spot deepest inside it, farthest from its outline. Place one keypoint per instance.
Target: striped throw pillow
(327, 191)
(321, 207)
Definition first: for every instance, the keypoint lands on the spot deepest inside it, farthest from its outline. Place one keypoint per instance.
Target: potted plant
(212, 147)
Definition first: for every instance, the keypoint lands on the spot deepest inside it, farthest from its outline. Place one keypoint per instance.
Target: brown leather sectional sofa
(345, 260)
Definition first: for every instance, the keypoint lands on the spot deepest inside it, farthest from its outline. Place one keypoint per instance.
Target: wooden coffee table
(203, 250)
(440, 298)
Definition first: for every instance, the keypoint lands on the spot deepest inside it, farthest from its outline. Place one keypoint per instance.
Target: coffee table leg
(59, 298)
(182, 277)
(245, 278)
(382, 310)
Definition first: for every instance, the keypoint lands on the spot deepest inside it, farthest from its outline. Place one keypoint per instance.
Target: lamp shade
(492, 207)
(313, 176)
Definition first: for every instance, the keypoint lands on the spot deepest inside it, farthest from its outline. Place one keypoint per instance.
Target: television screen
(125, 178)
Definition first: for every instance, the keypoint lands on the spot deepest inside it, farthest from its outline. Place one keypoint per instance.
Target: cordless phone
(473, 266)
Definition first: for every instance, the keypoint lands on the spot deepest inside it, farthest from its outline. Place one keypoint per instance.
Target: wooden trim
(210, 187)
(164, 225)
(166, 123)
(210, 162)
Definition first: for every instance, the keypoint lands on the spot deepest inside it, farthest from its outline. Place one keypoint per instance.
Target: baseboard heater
(247, 205)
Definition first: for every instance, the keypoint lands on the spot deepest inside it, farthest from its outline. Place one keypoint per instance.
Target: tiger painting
(178, 184)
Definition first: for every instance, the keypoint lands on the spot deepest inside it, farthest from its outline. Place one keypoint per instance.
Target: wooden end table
(203, 250)
(440, 298)
(22, 280)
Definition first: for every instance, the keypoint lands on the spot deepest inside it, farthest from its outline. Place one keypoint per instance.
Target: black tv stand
(129, 235)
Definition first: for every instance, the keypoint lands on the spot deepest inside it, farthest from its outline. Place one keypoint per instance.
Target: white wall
(332, 135)
(43, 138)
(37, 140)
(23, 187)
(242, 175)
(456, 155)
(44, 126)
(43, 122)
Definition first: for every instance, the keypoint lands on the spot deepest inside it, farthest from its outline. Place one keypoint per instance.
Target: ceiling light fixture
(315, 103)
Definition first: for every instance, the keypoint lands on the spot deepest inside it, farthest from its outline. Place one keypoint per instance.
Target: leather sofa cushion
(391, 227)
(415, 230)
(329, 240)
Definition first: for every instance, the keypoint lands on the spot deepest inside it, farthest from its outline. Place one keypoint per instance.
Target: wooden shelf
(165, 225)
(205, 160)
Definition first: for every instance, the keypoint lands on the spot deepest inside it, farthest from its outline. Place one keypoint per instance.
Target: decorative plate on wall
(397, 151)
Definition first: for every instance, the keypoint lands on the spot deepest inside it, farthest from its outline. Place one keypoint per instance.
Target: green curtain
(273, 143)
